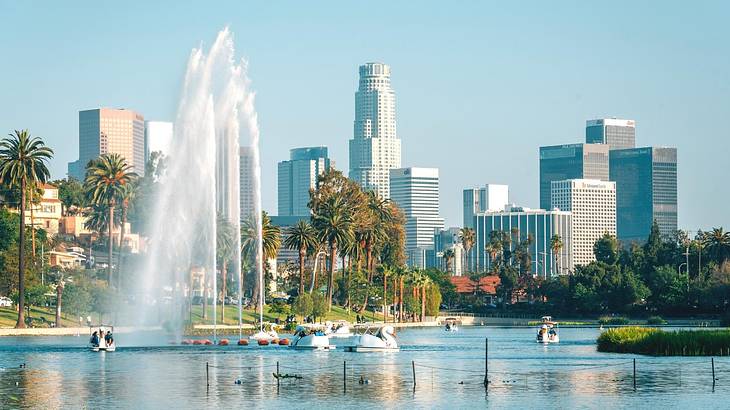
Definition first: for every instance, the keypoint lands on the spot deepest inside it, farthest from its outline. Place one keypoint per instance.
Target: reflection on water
(145, 372)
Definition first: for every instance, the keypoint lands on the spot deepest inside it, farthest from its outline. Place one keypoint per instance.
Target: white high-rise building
(375, 147)
(593, 206)
(246, 198)
(157, 138)
(416, 192)
(490, 198)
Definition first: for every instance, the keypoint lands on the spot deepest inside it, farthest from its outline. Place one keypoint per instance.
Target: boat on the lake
(376, 340)
(338, 329)
(101, 338)
(266, 332)
(451, 324)
(311, 338)
(548, 331)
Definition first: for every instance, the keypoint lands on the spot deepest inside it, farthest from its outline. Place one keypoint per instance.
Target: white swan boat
(451, 325)
(338, 329)
(548, 331)
(100, 339)
(264, 334)
(310, 338)
(382, 340)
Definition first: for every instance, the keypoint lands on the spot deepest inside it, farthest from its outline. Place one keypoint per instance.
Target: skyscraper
(491, 197)
(297, 176)
(593, 206)
(375, 146)
(416, 192)
(157, 138)
(572, 161)
(246, 172)
(105, 131)
(646, 191)
(618, 134)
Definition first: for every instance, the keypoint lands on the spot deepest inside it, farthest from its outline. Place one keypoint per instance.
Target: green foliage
(606, 249)
(655, 320)
(319, 305)
(433, 300)
(660, 343)
(279, 308)
(613, 320)
(303, 305)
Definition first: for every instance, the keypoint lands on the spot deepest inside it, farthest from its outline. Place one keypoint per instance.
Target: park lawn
(8, 316)
(251, 315)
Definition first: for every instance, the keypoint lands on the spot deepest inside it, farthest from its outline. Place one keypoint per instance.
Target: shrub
(660, 343)
(655, 320)
(613, 320)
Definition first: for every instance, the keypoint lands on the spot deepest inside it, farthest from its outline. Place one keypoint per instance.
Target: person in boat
(108, 338)
(94, 339)
(448, 326)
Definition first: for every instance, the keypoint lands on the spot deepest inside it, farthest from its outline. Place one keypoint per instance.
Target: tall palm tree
(105, 180)
(467, 238)
(23, 163)
(270, 243)
(224, 249)
(333, 222)
(556, 245)
(717, 243)
(127, 195)
(494, 248)
(385, 271)
(303, 238)
(448, 256)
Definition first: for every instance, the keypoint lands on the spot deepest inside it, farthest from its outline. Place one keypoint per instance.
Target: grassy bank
(656, 342)
(42, 317)
(251, 315)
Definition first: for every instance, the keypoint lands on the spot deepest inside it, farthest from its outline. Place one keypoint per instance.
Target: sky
(479, 85)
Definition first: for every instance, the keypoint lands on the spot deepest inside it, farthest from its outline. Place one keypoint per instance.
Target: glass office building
(618, 134)
(538, 224)
(297, 176)
(572, 161)
(646, 190)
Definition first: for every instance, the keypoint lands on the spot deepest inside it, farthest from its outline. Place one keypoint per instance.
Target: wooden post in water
(713, 374)
(344, 375)
(634, 374)
(207, 380)
(413, 366)
(277, 374)
(486, 362)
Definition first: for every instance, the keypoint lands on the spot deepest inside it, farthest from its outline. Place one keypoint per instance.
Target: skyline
(495, 101)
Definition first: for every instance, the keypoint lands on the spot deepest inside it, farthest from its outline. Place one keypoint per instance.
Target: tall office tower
(375, 146)
(618, 134)
(107, 130)
(523, 223)
(157, 138)
(246, 172)
(572, 161)
(297, 176)
(491, 197)
(646, 191)
(593, 206)
(416, 192)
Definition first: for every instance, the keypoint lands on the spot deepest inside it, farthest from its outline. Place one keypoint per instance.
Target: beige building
(47, 213)
(74, 225)
(108, 130)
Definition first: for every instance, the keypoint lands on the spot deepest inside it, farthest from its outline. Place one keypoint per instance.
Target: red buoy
(207, 342)
(223, 342)
(197, 342)
(263, 342)
(284, 342)
(243, 342)
(186, 342)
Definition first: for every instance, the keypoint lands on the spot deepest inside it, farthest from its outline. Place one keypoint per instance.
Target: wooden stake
(634, 374)
(713, 374)
(486, 362)
(344, 375)
(413, 366)
(207, 380)
(277, 374)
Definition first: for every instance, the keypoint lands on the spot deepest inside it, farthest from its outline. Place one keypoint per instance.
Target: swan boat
(338, 329)
(451, 324)
(310, 338)
(548, 331)
(382, 340)
(266, 332)
(100, 344)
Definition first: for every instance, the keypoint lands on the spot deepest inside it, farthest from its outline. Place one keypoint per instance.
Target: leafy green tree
(606, 249)
(320, 305)
(508, 279)
(23, 163)
(71, 194)
(668, 289)
(303, 305)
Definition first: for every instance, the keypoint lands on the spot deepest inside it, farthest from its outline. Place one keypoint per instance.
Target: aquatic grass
(613, 320)
(656, 342)
(655, 320)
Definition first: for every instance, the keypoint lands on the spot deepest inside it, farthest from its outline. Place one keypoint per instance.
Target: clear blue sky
(480, 85)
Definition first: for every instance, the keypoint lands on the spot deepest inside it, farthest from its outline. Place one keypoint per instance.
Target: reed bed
(656, 342)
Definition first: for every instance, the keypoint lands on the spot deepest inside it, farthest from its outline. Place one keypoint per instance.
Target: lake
(146, 372)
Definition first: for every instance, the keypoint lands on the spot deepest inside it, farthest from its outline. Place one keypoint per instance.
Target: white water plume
(201, 182)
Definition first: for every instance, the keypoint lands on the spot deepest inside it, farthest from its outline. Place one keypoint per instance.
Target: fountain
(201, 184)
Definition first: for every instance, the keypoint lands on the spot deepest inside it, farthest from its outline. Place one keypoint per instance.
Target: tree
(448, 256)
(224, 249)
(467, 238)
(556, 245)
(494, 249)
(303, 305)
(71, 195)
(301, 237)
(320, 305)
(333, 222)
(127, 195)
(717, 243)
(23, 163)
(508, 279)
(105, 180)
(606, 249)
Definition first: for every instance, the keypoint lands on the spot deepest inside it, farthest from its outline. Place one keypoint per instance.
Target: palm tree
(494, 247)
(448, 257)
(386, 271)
(303, 238)
(333, 222)
(23, 160)
(556, 244)
(717, 243)
(105, 180)
(270, 243)
(127, 195)
(224, 248)
(467, 237)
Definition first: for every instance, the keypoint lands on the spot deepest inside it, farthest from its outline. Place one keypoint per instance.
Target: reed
(613, 320)
(651, 341)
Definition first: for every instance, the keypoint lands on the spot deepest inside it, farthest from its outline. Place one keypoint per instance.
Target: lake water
(145, 372)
